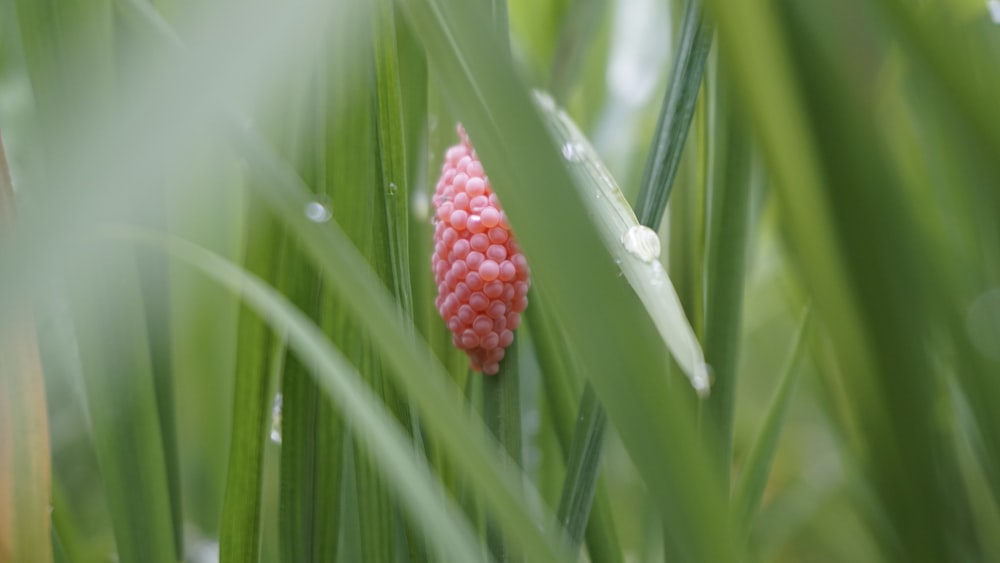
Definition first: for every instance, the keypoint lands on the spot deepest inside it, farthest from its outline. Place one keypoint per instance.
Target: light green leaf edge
(636, 248)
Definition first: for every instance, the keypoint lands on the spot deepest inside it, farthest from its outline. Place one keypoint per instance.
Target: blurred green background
(219, 203)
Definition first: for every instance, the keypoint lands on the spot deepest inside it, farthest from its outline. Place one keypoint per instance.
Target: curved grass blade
(675, 115)
(749, 488)
(25, 465)
(422, 496)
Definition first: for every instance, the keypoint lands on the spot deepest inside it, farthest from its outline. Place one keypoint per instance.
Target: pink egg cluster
(482, 275)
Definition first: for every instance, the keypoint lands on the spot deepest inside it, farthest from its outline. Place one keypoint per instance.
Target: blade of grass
(602, 539)
(675, 116)
(239, 533)
(380, 432)
(728, 224)
(582, 466)
(502, 413)
(750, 484)
(613, 335)
(118, 383)
(154, 279)
(390, 257)
(311, 443)
(25, 466)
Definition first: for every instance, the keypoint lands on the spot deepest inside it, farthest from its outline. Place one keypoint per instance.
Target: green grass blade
(583, 464)
(121, 398)
(239, 534)
(392, 155)
(311, 443)
(749, 488)
(728, 226)
(25, 465)
(603, 545)
(613, 335)
(502, 413)
(371, 423)
(154, 274)
(675, 116)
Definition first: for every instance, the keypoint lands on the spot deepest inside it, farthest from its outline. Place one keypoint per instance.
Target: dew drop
(276, 419)
(642, 242)
(573, 151)
(701, 380)
(393, 188)
(318, 212)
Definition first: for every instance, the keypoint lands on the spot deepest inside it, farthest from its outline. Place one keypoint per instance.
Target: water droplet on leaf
(573, 151)
(318, 212)
(276, 419)
(642, 242)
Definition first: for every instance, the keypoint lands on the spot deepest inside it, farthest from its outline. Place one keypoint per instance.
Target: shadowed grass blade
(502, 413)
(750, 484)
(728, 226)
(557, 367)
(675, 115)
(582, 466)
